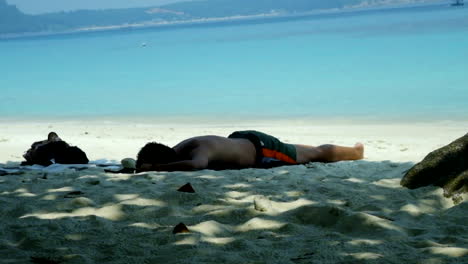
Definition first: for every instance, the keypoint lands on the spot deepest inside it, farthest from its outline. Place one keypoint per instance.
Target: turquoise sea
(401, 63)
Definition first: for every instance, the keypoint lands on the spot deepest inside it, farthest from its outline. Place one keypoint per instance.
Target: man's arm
(184, 165)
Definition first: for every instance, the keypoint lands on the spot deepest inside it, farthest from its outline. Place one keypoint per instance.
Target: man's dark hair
(155, 153)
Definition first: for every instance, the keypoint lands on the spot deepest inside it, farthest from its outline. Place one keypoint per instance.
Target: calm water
(403, 64)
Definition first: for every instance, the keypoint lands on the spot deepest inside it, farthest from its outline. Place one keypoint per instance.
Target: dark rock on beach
(186, 188)
(44, 260)
(446, 167)
(180, 228)
(73, 194)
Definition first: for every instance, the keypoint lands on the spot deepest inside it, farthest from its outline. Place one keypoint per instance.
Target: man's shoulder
(198, 142)
(205, 139)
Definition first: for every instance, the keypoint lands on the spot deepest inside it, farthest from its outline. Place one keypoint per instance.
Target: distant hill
(12, 21)
(222, 8)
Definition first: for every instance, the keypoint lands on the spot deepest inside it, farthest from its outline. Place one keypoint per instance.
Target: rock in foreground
(446, 167)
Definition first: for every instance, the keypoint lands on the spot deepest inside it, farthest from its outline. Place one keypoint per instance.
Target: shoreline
(221, 118)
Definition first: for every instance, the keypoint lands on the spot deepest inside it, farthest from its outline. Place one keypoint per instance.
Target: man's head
(154, 153)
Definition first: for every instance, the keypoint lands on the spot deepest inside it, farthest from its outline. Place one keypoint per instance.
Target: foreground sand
(345, 212)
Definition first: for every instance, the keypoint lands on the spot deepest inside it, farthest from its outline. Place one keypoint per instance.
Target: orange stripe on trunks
(277, 155)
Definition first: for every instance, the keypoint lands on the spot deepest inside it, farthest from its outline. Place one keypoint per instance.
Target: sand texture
(344, 212)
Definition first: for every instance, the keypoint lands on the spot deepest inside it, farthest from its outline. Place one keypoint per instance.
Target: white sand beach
(344, 212)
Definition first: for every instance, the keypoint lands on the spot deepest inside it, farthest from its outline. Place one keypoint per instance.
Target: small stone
(128, 163)
(262, 204)
(186, 188)
(180, 228)
(82, 202)
(93, 182)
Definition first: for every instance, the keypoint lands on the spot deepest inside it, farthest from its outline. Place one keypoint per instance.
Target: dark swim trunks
(271, 152)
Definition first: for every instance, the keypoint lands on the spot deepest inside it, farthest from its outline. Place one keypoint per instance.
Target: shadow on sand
(346, 212)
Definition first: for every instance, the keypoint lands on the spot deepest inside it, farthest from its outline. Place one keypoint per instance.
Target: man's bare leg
(328, 153)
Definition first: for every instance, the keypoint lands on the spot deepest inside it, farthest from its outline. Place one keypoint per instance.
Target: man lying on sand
(242, 149)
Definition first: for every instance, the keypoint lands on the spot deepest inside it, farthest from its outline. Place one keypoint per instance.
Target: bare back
(218, 152)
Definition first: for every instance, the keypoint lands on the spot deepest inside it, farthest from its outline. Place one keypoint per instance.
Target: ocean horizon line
(233, 118)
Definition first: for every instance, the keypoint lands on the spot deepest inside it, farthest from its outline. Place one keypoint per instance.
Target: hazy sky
(44, 6)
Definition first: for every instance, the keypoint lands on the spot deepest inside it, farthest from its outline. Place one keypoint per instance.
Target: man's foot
(359, 147)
